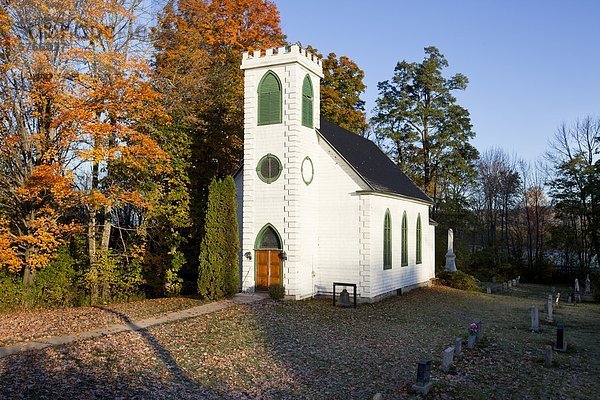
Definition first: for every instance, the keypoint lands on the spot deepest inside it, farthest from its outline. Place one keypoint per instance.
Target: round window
(307, 170)
(269, 168)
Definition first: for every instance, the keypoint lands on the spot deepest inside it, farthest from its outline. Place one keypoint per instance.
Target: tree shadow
(86, 370)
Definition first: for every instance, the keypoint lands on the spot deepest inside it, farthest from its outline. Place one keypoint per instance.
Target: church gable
(370, 162)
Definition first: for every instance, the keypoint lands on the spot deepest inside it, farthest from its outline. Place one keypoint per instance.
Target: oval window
(269, 168)
(307, 170)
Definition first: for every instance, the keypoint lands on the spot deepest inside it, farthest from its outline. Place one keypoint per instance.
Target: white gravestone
(549, 317)
(450, 256)
(447, 359)
(535, 319)
(458, 347)
(576, 285)
(588, 285)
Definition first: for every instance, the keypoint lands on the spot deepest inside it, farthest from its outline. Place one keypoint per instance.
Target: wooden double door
(268, 269)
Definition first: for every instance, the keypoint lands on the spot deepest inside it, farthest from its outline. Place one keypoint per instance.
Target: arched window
(269, 100)
(404, 240)
(307, 102)
(387, 240)
(419, 241)
(268, 239)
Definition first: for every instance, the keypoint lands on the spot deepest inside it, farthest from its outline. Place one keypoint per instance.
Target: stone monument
(450, 256)
(535, 319)
(588, 285)
(577, 285)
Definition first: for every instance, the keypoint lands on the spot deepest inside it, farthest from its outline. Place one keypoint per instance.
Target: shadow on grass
(65, 372)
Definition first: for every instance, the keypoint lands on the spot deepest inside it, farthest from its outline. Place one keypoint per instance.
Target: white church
(318, 204)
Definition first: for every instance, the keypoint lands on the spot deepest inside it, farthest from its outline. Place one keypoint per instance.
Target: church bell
(345, 299)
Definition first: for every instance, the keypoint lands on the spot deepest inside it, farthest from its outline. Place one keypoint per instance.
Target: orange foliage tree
(75, 111)
(197, 60)
(198, 53)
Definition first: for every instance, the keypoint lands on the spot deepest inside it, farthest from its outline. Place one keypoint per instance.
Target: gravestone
(548, 356)
(450, 256)
(561, 341)
(423, 384)
(570, 299)
(519, 279)
(549, 317)
(488, 290)
(535, 319)
(557, 298)
(458, 347)
(471, 341)
(577, 297)
(588, 285)
(576, 285)
(479, 335)
(508, 284)
(447, 359)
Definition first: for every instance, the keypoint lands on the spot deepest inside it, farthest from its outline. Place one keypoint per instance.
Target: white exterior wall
(384, 281)
(287, 203)
(338, 246)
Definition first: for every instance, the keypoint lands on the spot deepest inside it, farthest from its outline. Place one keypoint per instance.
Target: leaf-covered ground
(310, 350)
(34, 324)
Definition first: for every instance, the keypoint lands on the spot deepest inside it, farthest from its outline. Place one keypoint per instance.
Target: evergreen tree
(428, 133)
(232, 243)
(218, 272)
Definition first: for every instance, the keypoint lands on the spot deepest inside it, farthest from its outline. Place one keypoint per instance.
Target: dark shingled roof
(370, 162)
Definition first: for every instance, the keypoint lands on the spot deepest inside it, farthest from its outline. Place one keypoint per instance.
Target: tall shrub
(218, 271)
(232, 243)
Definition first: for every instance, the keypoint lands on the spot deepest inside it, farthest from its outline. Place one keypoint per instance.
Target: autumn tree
(341, 88)
(77, 109)
(198, 46)
(424, 129)
(35, 133)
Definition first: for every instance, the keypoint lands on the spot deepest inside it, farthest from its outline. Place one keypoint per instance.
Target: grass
(26, 325)
(310, 350)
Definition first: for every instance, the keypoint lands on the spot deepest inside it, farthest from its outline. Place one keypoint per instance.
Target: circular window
(269, 168)
(307, 170)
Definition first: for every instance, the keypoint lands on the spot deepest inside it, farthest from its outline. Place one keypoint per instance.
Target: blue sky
(531, 64)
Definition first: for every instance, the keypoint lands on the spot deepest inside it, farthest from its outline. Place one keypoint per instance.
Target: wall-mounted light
(283, 256)
(248, 255)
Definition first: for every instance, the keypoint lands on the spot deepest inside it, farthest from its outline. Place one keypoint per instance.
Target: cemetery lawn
(310, 350)
(26, 325)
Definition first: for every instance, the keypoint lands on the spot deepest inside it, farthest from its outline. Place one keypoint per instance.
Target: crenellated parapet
(283, 55)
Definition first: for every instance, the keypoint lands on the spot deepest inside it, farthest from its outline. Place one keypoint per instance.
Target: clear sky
(531, 64)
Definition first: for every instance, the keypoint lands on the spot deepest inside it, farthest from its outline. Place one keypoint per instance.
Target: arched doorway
(268, 267)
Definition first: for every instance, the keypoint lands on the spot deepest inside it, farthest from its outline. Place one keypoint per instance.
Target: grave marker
(548, 356)
(561, 341)
(458, 347)
(447, 359)
(588, 285)
(535, 319)
(549, 317)
(423, 384)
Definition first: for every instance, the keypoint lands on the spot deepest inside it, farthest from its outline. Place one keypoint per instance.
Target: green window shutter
(387, 241)
(269, 100)
(307, 102)
(419, 241)
(404, 240)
